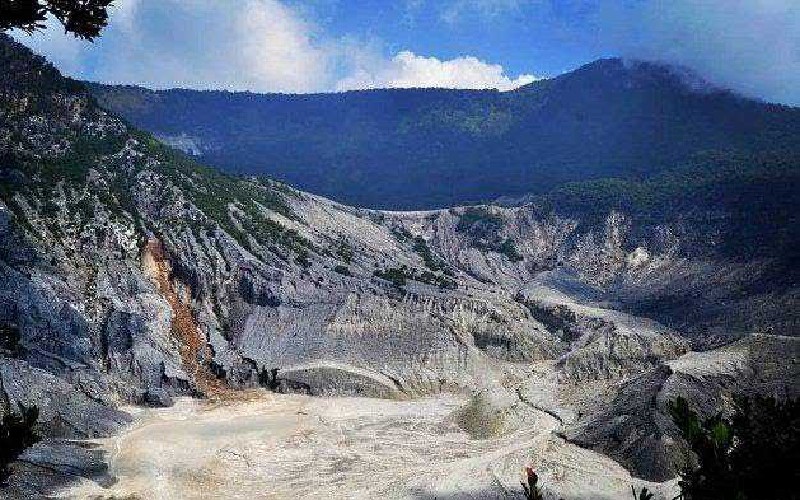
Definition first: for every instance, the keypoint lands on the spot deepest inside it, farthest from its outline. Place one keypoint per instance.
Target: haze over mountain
(427, 148)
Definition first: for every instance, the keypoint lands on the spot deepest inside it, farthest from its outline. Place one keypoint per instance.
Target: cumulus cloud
(408, 70)
(261, 45)
(750, 46)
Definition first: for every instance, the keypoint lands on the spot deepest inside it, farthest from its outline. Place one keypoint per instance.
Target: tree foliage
(643, 494)
(83, 18)
(751, 456)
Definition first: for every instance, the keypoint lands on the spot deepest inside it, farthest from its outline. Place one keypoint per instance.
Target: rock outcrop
(635, 427)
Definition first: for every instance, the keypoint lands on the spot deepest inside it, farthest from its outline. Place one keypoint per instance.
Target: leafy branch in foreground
(83, 18)
(643, 494)
(751, 456)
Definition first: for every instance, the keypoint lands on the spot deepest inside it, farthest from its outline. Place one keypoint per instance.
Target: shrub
(398, 276)
(509, 249)
(643, 494)
(752, 456)
(422, 249)
(344, 252)
(9, 338)
(479, 221)
(302, 258)
(480, 419)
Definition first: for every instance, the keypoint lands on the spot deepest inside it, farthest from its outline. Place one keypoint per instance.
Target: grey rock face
(331, 379)
(157, 397)
(774, 362)
(630, 430)
(636, 429)
(65, 410)
(52, 464)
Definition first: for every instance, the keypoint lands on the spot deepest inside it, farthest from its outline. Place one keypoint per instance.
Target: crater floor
(274, 446)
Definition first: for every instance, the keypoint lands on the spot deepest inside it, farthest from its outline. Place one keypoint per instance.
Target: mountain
(132, 274)
(429, 148)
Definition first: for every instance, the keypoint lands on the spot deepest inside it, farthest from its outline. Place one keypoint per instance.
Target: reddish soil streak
(190, 340)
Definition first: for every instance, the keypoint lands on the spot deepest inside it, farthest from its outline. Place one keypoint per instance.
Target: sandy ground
(290, 446)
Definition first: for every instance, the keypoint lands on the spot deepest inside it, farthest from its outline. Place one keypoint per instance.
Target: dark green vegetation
(751, 456)
(509, 249)
(642, 494)
(343, 270)
(83, 18)
(9, 338)
(399, 277)
(343, 252)
(557, 318)
(422, 249)
(432, 261)
(484, 227)
(748, 203)
(16, 435)
(437, 148)
(479, 221)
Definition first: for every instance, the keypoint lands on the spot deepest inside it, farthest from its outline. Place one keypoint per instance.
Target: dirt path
(289, 446)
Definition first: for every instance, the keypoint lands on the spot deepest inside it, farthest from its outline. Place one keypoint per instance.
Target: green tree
(83, 18)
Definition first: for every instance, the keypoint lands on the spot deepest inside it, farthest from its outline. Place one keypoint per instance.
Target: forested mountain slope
(429, 148)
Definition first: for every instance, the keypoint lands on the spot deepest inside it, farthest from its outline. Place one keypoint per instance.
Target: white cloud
(261, 45)
(276, 49)
(123, 13)
(408, 70)
(750, 46)
(65, 52)
(486, 9)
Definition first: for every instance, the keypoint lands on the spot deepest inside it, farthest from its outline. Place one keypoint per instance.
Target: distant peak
(642, 72)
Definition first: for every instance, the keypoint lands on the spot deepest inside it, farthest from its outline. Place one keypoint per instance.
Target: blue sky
(545, 38)
(752, 46)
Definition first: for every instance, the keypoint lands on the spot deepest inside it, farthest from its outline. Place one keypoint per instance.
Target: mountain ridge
(432, 148)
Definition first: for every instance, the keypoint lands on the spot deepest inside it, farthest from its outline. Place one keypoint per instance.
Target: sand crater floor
(275, 446)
